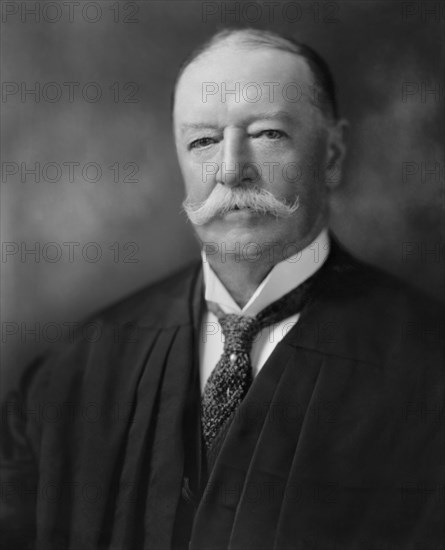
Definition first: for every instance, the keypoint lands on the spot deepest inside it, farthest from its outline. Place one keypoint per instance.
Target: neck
(242, 276)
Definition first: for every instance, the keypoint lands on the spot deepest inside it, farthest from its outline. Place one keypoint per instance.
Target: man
(277, 395)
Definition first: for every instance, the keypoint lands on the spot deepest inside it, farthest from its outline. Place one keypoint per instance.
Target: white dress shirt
(283, 277)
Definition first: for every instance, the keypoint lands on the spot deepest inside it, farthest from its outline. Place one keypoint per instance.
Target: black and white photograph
(222, 275)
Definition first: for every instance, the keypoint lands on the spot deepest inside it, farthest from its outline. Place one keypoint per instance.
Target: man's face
(246, 119)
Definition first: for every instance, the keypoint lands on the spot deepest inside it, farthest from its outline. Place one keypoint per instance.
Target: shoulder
(107, 350)
(131, 322)
(372, 316)
(368, 288)
(159, 304)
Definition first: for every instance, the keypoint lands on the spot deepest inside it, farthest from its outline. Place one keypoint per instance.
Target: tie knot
(239, 331)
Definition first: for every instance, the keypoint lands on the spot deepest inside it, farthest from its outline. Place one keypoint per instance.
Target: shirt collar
(283, 277)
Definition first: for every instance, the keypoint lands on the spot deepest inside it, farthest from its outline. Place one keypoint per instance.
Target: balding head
(323, 92)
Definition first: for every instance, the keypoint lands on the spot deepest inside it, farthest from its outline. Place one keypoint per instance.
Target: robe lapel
(152, 459)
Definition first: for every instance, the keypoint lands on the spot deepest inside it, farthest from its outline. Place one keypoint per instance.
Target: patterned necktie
(231, 378)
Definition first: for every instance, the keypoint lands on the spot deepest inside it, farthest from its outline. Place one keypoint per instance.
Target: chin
(237, 237)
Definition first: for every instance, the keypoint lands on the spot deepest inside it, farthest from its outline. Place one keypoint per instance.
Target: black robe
(339, 443)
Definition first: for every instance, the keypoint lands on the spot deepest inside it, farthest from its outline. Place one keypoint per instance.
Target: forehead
(230, 80)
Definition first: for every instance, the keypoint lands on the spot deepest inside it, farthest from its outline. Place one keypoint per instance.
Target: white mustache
(224, 199)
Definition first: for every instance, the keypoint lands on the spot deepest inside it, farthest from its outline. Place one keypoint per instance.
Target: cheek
(284, 174)
(307, 173)
(198, 180)
(274, 168)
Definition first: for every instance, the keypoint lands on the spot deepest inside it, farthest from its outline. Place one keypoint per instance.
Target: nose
(235, 167)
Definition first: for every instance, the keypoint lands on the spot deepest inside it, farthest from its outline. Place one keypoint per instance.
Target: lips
(240, 209)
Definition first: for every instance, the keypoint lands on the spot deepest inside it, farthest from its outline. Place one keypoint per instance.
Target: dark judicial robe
(339, 443)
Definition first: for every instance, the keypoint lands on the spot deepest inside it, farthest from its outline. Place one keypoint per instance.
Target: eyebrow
(277, 115)
(197, 126)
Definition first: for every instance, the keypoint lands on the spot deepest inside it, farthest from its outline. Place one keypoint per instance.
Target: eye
(273, 135)
(201, 142)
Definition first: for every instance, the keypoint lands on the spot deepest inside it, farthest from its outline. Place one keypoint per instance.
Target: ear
(336, 151)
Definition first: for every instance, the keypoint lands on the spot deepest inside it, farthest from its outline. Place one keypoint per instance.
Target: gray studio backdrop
(91, 191)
